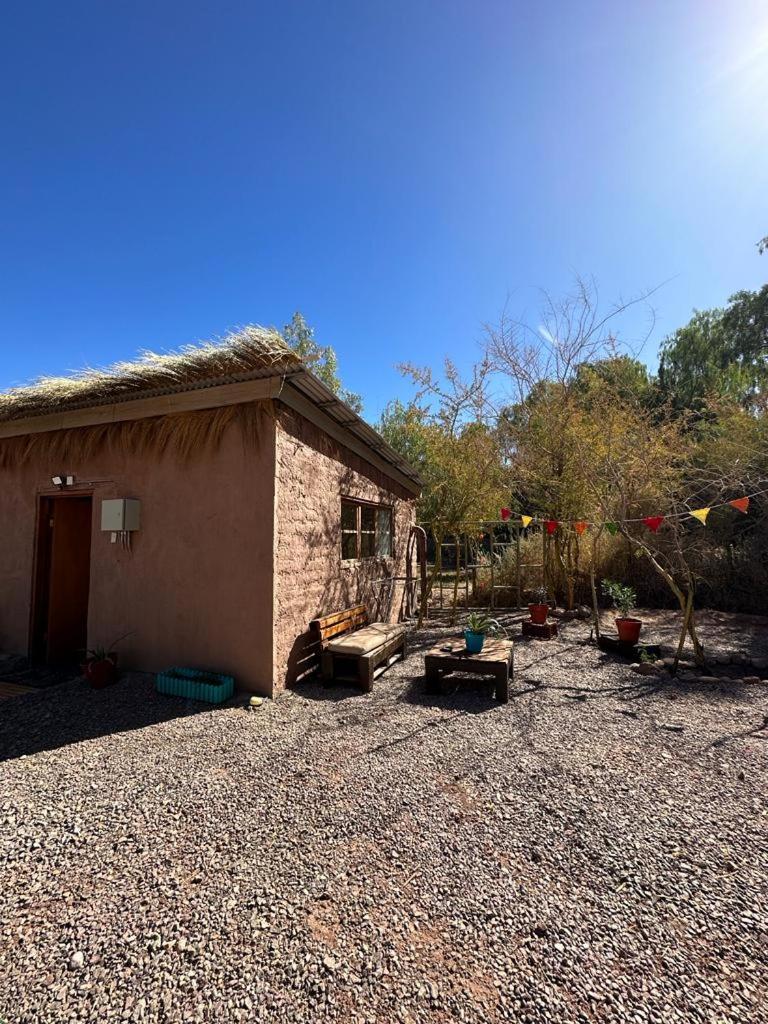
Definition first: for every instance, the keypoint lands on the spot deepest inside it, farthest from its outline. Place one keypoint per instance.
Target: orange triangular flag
(701, 514)
(526, 520)
(742, 504)
(580, 527)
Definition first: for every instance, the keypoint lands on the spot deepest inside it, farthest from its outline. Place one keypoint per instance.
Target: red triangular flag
(742, 504)
(653, 522)
(551, 525)
(580, 527)
(505, 513)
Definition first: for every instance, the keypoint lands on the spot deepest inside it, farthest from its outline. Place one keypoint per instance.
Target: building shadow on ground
(74, 712)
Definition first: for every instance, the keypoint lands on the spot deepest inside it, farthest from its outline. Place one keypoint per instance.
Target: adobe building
(203, 506)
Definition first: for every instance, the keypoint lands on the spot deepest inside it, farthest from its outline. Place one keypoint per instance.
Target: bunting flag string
(701, 514)
(653, 523)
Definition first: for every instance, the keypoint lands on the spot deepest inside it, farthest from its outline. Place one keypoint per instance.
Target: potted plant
(624, 598)
(539, 606)
(100, 665)
(477, 629)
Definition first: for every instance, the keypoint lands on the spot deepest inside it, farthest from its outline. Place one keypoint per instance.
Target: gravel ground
(593, 851)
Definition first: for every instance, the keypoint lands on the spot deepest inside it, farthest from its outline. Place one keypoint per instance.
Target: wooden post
(517, 570)
(493, 570)
(593, 586)
(544, 558)
(457, 567)
(466, 570)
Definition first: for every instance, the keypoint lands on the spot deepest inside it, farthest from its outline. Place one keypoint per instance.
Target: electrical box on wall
(120, 514)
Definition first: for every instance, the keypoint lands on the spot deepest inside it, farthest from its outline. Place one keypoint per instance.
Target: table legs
(502, 684)
(432, 676)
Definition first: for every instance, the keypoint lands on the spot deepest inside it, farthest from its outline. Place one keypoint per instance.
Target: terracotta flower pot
(101, 672)
(629, 630)
(538, 613)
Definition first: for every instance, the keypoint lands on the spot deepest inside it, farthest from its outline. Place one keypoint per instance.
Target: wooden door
(60, 621)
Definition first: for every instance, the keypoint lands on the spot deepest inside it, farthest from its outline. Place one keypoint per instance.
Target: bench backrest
(330, 626)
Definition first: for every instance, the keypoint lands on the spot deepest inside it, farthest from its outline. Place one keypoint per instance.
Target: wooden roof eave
(301, 391)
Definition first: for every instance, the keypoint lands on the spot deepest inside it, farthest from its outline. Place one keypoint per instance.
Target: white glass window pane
(384, 533)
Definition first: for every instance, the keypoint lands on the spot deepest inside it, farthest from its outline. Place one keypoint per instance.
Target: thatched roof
(248, 353)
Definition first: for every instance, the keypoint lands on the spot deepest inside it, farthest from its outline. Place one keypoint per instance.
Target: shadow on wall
(367, 582)
(73, 713)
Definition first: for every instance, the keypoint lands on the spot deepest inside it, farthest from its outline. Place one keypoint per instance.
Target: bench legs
(365, 669)
(365, 665)
(326, 666)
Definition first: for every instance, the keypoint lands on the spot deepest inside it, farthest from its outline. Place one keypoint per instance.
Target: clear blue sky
(393, 169)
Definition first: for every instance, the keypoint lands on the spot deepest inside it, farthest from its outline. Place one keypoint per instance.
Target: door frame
(41, 562)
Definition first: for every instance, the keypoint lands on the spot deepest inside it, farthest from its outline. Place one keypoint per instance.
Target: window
(366, 530)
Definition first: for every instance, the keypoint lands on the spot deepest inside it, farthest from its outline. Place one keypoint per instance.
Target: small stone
(646, 668)
(330, 964)
(77, 960)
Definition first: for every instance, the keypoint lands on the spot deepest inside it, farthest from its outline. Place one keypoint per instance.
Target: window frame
(358, 504)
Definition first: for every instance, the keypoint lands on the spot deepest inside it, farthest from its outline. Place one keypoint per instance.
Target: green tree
(626, 377)
(320, 359)
(720, 354)
(442, 433)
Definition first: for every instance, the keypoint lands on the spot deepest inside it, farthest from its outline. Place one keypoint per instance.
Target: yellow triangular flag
(526, 520)
(701, 514)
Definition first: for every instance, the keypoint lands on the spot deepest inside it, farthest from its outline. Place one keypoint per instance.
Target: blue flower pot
(474, 641)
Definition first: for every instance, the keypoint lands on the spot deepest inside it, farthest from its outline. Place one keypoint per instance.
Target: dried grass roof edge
(251, 351)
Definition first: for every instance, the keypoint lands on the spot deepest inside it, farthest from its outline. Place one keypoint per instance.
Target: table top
(493, 650)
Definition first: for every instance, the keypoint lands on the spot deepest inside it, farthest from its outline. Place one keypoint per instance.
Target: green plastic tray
(195, 684)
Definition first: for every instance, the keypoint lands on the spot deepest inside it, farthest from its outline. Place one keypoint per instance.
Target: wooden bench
(354, 649)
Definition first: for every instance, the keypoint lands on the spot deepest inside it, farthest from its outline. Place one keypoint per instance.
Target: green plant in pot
(538, 609)
(478, 627)
(100, 665)
(623, 598)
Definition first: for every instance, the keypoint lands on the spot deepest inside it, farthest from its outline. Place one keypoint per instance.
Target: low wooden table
(495, 659)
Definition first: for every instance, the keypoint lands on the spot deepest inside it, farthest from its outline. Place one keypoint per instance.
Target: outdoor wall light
(62, 481)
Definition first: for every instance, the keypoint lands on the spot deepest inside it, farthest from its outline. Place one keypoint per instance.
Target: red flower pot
(538, 613)
(629, 630)
(101, 673)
